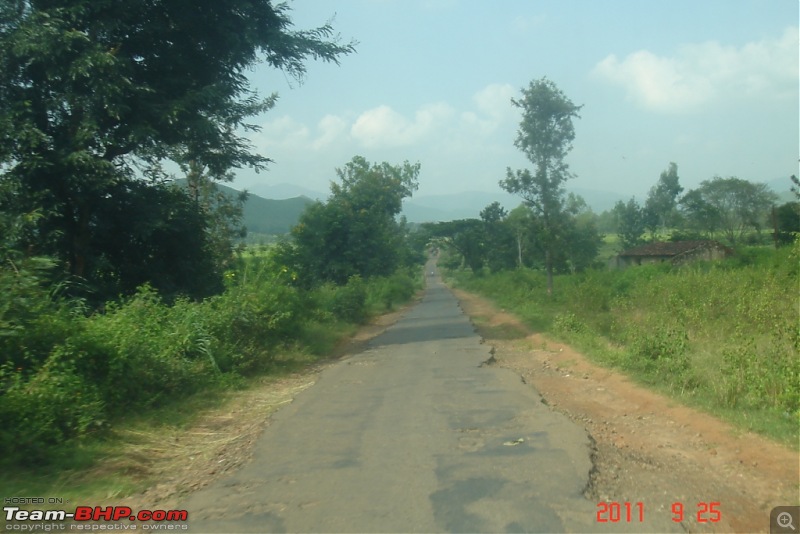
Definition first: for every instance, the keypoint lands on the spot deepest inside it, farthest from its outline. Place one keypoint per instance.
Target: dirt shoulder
(648, 448)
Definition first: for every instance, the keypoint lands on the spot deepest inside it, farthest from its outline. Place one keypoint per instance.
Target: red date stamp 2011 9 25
(627, 512)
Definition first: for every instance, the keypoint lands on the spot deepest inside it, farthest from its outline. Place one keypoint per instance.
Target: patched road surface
(415, 434)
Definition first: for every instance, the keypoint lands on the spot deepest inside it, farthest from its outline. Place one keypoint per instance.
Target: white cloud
(381, 126)
(384, 127)
(493, 104)
(331, 129)
(492, 111)
(703, 73)
(282, 132)
(495, 99)
(436, 133)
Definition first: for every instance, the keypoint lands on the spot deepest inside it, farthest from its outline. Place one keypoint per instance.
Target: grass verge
(719, 336)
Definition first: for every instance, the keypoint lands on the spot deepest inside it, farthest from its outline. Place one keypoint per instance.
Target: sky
(711, 85)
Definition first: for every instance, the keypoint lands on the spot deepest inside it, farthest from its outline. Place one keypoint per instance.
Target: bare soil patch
(648, 448)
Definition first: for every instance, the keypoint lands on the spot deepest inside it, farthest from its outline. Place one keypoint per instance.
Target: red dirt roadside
(648, 448)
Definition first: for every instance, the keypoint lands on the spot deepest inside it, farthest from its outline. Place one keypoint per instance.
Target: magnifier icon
(784, 520)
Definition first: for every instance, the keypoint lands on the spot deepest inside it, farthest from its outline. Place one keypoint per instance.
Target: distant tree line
(558, 233)
(730, 209)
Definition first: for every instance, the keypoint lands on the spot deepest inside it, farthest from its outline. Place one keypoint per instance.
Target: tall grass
(66, 374)
(723, 335)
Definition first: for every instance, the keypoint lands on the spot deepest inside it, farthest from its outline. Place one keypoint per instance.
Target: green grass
(720, 336)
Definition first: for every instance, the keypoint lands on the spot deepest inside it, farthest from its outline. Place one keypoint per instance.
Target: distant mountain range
(285, 191)
(274, 209)
(469, 204)
(433, 208)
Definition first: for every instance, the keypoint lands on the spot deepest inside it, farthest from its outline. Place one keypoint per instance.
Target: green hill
(267, 216)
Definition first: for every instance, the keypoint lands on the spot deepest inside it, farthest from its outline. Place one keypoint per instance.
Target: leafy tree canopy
(466, 236)
(355, 232)
(662, 201)
(101, 79)
(95, 94)
(731, 205)
(545, 136)
(630, 223)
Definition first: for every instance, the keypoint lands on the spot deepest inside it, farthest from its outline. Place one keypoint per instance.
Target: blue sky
(710, 85)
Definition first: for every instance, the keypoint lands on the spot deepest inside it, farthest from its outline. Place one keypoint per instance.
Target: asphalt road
(415, 434)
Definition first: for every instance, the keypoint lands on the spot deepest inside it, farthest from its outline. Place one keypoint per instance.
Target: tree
(169, 245)
(630, 223)
(224, 213)
(520, 222)
(467, 237)
(660, 207)
(545, 136)
(96, 94)
(356, 232)
(582, 240)
(498, 237)
(731, 205)
(699, 214)
(786, 222)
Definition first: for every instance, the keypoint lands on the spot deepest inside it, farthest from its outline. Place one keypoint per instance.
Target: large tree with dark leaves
(96, 94)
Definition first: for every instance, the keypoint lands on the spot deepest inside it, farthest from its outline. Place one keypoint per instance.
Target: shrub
(385, 292)
(349, 301)
(65, 373)
(660, 353)
(144, 353)
(54, 405)
(568, 323)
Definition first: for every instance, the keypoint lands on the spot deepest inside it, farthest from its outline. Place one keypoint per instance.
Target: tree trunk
(548, 266)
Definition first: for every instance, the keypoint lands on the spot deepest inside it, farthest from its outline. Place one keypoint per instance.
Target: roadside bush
(756, 375)
(65, 373)
(261, 312)
(659, 352)
(384, 293)
(144, 353)
(55, 405)
(568, 323)
(349, 301)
